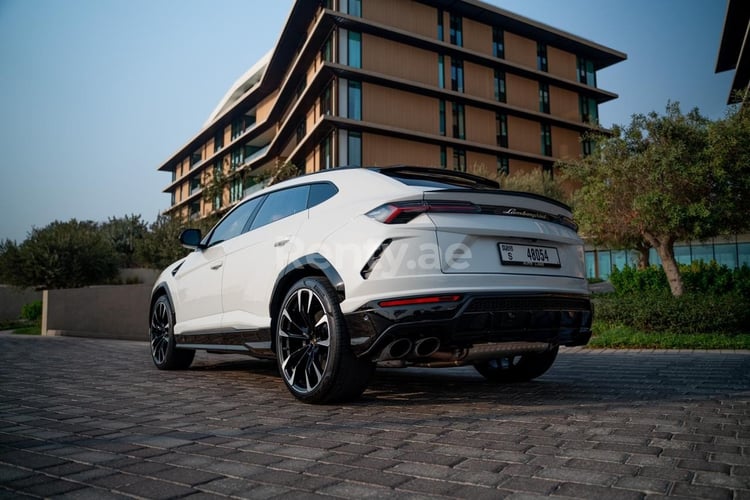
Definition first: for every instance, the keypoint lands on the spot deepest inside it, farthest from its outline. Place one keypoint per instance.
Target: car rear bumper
(535, 321)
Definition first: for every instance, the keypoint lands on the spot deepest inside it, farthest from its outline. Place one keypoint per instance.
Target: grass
(22, 327)
(616, 336)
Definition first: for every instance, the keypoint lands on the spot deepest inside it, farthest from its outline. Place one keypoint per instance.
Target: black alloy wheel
(312, 346)
(164, 352)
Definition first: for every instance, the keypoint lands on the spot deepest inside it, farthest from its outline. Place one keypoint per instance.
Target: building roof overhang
(734, 52)
(600, 55)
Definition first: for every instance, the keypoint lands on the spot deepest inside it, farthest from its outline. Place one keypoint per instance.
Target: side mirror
(191, 238)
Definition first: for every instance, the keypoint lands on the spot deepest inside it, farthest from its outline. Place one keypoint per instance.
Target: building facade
(454, 84)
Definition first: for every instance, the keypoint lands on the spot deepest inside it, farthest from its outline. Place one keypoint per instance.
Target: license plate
(528, 255)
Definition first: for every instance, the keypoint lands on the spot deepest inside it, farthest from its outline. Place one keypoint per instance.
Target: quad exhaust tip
(424, 348)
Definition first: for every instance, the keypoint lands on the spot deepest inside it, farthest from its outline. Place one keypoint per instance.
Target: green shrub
(698, 277)
(32, 311)
(631, 280)
(659, 311)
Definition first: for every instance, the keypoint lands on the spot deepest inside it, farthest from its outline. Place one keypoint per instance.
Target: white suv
(336, 272)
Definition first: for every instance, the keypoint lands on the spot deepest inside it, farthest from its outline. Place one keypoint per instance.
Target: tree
(125, 234)
(534, 182)
(537, 182)
(662, 179)
(161, 245)
(10, 261)
(61, 255)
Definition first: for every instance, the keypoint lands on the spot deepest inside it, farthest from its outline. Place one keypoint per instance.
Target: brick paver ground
(94, 419)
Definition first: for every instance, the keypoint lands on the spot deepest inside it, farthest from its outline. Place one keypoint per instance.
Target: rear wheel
(164, 352)
(518, 367)
(312, 344)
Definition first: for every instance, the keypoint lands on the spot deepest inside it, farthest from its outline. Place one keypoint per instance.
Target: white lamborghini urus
(336, 272)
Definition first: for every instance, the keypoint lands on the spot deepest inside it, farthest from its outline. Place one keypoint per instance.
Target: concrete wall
(113, 312)
(13, 299)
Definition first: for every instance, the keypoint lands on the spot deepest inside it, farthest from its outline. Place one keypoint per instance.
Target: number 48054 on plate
(527, 255)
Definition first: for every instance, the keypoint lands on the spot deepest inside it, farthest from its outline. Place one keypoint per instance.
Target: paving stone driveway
(94, 419)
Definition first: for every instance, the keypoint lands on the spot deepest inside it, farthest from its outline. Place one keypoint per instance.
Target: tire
(312, 346)
(164, 353)
(517, 368)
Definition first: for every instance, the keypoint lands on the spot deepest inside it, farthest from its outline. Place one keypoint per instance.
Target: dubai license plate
(512, 254)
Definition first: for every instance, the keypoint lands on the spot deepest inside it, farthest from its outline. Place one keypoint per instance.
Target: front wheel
(517, 368)
(164, 352)
(312, 346)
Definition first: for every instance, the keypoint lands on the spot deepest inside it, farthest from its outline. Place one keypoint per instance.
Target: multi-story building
(444, 83)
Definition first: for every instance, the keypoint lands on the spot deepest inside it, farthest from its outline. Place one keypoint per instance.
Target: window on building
(546, 139)
(354, 49)
(440, 25)
(500, 91)
(195, 210)
(443, 158)
(442, 117)
(355, 8)
(541, 56)
(501, 122)
(326, 102)
(354, 101)
(459, 121)
(235, 189)
(586, 72)
(301, 131)
(587, 146)
(326, 51)
(326, 153)
(726, 255)
(174, 197)
(174, 176)
(457, 74)
(354, 149)
(195, 183)
(195, 158)
(459, 160)
(238, 157)
(498, 43)
(503, 166)
(457, 30)
(217, 175)
(301, 87)
(589, 109)
(241, 124)
(544, 97)
(237, 127)
(743, 254)
(441, 71)
(219, 140)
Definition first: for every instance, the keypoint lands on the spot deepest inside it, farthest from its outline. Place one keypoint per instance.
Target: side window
(320, 193)
(282, 204)
(233, 224)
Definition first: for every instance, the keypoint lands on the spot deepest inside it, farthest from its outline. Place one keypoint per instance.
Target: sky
(96, 94)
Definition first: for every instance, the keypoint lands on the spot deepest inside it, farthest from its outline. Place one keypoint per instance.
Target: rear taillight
(418, 301)
(402, 212)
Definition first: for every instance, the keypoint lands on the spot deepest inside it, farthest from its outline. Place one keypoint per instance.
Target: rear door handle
(217, 266)
(282, 241)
